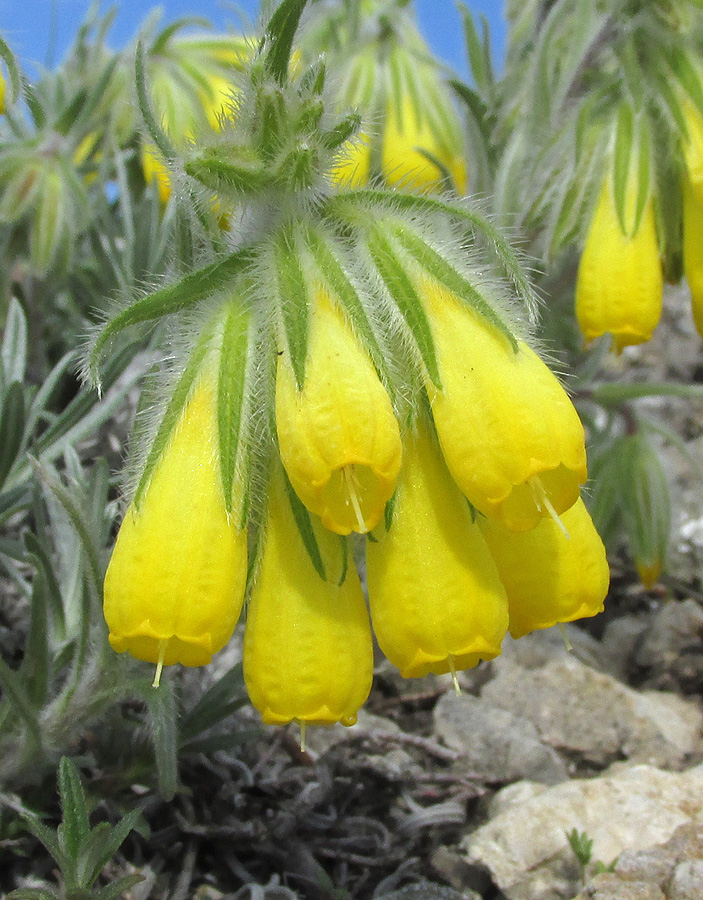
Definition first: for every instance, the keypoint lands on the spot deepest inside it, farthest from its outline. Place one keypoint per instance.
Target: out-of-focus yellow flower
(549, 578)
(693, 148)
(175, 584)
(338, 437)
(511, 437)
(693, 250)
(437, 603)
(620, 282)
(2, 93)
(406, 134)
(308, 653)
(155, 171)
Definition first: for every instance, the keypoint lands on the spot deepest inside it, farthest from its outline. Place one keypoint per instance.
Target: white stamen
(352, 483)
(452, 669)
(303, 728)
(542, 501)
(567, 642)
(159, 664)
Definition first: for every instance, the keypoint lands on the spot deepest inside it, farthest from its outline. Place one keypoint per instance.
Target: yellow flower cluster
(474, 521)
(620, 279)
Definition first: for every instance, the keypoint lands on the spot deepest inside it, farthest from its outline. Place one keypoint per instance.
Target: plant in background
(410, 134)
(80, 852)
(312, 366)
(192, 84)
(594, 139)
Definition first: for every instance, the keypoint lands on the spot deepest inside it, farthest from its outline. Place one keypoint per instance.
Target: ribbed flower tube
(308, 653)
(175, 584)
(509, 433)
(437, 603)
(548, 577)
(693, 250)
(338, 437)
(620, 282)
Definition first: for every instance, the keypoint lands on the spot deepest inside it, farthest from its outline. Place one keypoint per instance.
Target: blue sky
(39, 29)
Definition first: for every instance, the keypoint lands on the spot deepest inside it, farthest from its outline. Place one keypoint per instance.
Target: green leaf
(457, 210)
(333, 272)
(15, 694)
(48, 838)
(14, 343)
(279, 36)
(616, 393)
(293, 302)
(75, 826)
(478, 50)
(13, 71)
(306, 530)
(229, 741)
(161, 702)
(405, 297)
(33, 894)
(646, 502)
(444, 272)
(11, 428)
(194, 288)
(118, 888)
(235, 360)
(156, 132)
(36, 665)
(176, 405)
(101, 845)
(622, 162)
(223, 698)
(220, 169)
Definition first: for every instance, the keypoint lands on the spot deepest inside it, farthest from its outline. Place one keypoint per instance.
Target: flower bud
(436, 601)
(548, 577)
(175, 584)
(511, 437)
(339, 440)
(620, 282)
(308, 653)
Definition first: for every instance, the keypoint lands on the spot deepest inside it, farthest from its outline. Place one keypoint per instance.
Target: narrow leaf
(192, 289)
(293, 306)
(622, 162)
(306, 530)
(75, 825)
(280, 33)
(406, 299)
(224, 697)
(11, 428)
(14, 343)
(174, 410)
(161, 702)
(234, 362)
(444, 272)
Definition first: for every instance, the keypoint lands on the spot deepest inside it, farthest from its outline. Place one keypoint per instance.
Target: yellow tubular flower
(620, 282)
(175, 584)
(509, 433)
(693, 251)
(308, 652)
(155, 171)
(404, 137)
(437, 603)
(693, 149)
(338, 437)
(549, 578)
